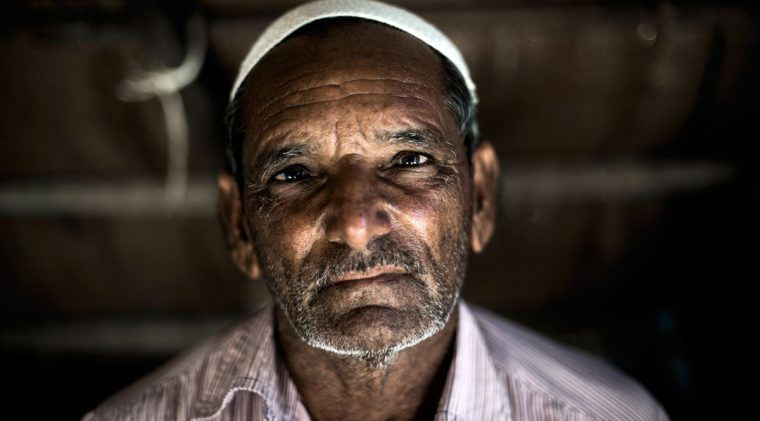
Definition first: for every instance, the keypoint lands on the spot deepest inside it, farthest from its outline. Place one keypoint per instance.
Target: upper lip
(371, 273)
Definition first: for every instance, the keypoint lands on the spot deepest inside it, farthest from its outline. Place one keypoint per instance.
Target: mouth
(374, 275)
(384, 286)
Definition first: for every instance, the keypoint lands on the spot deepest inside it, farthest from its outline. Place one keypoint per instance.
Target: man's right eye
(291, 174)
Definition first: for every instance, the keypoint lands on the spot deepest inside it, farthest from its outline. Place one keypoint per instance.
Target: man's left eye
(292, 173)
(410, 159)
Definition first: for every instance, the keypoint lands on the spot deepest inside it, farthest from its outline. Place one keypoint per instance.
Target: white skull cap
(365, 9)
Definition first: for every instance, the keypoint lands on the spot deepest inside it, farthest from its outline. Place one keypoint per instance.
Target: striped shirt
(500, 371)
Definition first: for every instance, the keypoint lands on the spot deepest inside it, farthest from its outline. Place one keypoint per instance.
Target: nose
(356, 212)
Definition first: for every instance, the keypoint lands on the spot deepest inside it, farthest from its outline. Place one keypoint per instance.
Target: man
(359, 188)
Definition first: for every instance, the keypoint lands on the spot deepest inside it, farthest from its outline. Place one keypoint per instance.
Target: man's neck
(341, 387)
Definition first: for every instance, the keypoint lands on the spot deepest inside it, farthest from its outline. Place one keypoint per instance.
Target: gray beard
(431, 316)
(318, 327)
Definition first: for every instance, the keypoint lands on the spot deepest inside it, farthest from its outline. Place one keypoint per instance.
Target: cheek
(436, 216)
(285, 233)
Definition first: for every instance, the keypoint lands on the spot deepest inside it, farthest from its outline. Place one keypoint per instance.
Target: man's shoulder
(536, 367)
(171, 391)
(158, 391)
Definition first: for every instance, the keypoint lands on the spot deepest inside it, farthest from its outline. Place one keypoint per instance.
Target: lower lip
(374, 280)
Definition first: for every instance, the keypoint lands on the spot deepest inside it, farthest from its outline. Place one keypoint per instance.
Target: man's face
(357, 187)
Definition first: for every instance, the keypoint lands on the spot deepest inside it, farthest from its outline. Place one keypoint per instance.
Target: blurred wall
(627, 203)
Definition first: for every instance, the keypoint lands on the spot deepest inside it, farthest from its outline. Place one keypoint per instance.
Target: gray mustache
(363, 263)
(342, 260)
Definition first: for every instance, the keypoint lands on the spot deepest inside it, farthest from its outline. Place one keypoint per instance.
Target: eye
(292, 173)
(410, 159)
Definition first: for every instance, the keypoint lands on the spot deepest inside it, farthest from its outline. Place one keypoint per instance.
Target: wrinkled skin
(358, 206)
(334, 176)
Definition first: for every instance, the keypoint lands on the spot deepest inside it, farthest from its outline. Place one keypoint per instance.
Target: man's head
(359, 199)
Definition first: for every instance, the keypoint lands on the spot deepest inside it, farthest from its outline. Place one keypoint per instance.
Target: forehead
(334, 56)
(325, 44)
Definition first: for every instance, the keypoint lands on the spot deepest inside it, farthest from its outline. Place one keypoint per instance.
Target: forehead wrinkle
(281, 137)
(280, 130)
(308, 104)
(346, 83)
(312, 74)
(359, 126)
(338, 85)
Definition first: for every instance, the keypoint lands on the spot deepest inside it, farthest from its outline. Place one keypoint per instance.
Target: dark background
(628, 204)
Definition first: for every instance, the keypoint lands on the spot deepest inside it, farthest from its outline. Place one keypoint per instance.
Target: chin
(373, 334)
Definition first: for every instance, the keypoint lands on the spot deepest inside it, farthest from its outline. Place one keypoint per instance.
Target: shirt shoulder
(543, 375)
(175, 388)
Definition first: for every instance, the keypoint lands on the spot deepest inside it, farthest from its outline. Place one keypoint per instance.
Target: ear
(236, 229)
(485, 180)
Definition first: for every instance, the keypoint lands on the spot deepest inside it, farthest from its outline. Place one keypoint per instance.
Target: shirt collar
(247, 361)
(473, 388)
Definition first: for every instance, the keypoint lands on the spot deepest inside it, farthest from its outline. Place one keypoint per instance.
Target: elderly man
(359, 187)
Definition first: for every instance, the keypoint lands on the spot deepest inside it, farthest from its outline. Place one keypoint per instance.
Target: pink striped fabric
(500, 371)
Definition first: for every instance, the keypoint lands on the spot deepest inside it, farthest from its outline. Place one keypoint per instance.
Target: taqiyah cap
(365, 9)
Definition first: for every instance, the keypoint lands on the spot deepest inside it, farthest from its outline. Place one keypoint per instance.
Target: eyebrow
(274, 157)
(425, 138)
